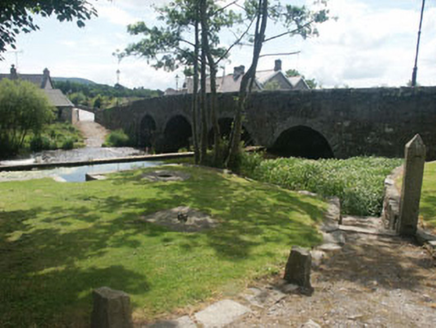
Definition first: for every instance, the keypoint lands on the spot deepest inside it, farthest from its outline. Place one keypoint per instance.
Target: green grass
(58, 241)
(357, 181)
(427, 207)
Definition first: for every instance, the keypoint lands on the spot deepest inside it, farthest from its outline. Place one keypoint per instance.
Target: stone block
(111, 309)
(411, 189)
(221, 314)
(298, 267)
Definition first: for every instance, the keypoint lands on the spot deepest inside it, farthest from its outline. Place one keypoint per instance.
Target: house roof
(38, 79)
(266, 75)
(57, 98)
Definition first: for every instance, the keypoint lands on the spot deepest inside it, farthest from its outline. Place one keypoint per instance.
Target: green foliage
(63, 240)
(101, 95)
(67, 144)
(357, 181)
(56, 136)
(17, 16)
(271, 86)
(98, 101)
(117, 138)
(23, 109)
(38, 143)
(78, 98)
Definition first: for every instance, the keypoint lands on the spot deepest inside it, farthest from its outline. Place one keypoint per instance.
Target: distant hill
(73, 79)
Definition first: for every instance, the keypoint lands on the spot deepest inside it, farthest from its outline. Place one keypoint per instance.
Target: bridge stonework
(373, 121)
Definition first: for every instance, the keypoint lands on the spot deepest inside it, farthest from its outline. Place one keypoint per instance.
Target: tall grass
(357, 181)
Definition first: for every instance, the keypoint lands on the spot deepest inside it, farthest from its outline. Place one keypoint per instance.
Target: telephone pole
(415, 68)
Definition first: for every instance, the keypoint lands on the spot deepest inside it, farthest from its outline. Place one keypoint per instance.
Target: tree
(190, 38)
(24, 108)
(297, 21)
(16, 16)
(310, 82)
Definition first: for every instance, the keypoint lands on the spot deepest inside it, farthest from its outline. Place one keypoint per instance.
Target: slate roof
(57, 98)
(37, 79)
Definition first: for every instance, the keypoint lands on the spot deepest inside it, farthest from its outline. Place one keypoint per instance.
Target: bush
(38, 143)
(117, 138)
(68, 143)
(357, 181)
(23, 109)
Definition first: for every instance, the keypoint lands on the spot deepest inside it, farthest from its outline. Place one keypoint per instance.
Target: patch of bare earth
(373, 281)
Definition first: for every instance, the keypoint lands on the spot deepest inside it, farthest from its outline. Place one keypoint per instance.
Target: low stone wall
(391, 201)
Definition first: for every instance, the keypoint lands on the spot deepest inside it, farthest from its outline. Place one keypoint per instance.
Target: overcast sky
(372, 43)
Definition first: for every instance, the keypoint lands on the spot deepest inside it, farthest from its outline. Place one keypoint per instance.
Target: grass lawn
(427, 208)
(59, 241)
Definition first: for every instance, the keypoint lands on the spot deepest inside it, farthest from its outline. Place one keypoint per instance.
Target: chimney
(46, 79)
(238, 71)
(14, 74)
(277, 65)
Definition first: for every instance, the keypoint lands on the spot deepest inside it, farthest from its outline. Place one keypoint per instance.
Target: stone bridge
(337, 123)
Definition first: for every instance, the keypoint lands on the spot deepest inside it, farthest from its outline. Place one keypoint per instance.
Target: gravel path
(93, 132)
(373, 280)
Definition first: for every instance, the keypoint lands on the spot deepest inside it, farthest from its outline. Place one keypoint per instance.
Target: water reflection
(74, 174)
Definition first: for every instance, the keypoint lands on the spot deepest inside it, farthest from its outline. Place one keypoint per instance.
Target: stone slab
(329, 247)
(182, 322)
(221, 314)
(335, 237)
(264, 297)
(96, 176)
(370, 231)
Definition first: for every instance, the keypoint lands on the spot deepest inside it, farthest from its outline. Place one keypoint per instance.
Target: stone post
(111, 309)
(411, 188)
(297, 269)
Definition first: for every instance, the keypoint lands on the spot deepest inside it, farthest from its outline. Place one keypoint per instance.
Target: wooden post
(411, 188)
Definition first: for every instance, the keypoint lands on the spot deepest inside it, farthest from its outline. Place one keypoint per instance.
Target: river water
(77, 173)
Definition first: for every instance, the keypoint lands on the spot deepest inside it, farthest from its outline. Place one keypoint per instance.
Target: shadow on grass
(44, 248)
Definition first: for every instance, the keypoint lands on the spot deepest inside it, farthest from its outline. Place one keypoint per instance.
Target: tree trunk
(203, 100)
(195, 95)
(247, 85)
(213, 95)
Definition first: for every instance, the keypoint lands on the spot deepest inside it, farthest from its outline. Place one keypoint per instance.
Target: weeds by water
(357, 181)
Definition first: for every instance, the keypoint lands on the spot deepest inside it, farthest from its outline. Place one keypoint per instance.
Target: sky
(371, 43)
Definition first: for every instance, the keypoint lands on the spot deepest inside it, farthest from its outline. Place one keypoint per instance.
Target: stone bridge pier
(326, 123)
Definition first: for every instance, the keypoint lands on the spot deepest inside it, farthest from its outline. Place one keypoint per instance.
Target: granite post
(111, 309)
(411, 188)
(297, 269)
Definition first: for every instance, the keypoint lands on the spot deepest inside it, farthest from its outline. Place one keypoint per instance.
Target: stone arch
(302, 141)
(225, 124)
(177, 134)
(147, 131)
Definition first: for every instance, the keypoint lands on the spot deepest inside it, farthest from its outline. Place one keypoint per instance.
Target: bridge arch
(225, 124)
(302, 141)
(177, 134)
(147, 131)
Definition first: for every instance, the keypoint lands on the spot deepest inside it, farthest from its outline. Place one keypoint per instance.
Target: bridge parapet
(353, 122)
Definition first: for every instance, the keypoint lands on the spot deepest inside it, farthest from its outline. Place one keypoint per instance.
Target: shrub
(68, 143)
(357, 181)
(38, 143)
(23, 109)
(117, 138)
